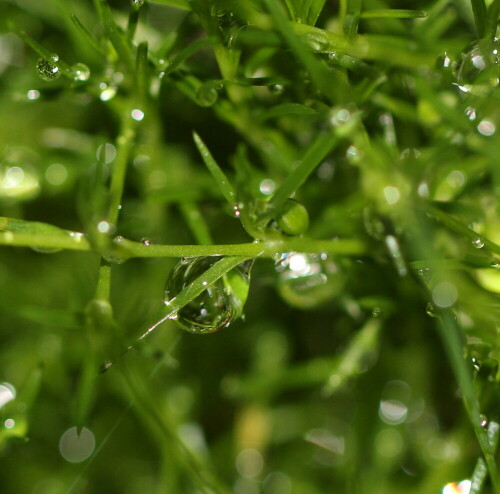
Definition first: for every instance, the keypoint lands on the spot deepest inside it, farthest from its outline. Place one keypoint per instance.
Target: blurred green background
(337, 380)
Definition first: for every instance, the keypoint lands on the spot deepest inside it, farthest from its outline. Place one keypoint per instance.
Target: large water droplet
(47, 68)
(478, 71)
(80, 72)
(208, 93)
(217, 306)
(308, 280)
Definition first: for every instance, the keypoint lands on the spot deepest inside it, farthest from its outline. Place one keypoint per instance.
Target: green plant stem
(392, 14)
(480, 14)
(458, 227)
(125, 142)
(452, 341)
(128, 248)
(313, 158)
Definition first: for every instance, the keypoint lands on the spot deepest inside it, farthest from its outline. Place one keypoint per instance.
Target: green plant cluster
(320, 181)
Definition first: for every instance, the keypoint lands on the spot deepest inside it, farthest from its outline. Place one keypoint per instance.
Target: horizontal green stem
(126, 248)
(392, 14)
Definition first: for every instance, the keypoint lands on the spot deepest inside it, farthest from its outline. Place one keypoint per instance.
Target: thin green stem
(127, 249)
(124, 146)
(452, 338)
(312, 159)
(480, 15)
(392, 14)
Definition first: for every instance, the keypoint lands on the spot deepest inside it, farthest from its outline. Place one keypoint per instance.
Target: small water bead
(431, 310)
(277, 89)
(318, 42)
(137, 4)
(307, 281)
(80, 72)
(47, 68)
(217, 306)
(495, 264)
(478, 243)
(376, 312)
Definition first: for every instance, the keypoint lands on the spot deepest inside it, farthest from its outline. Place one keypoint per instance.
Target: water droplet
(33, 94)
(478, 243)
(376, 312)
(478, 71)
(217, 306)
(495, 264)
(146, 242)
(317, 41)
(277, 89)
(463, 487)
(137, 4)
(486, 128)
(137, 114)
(431, 310)
(208, 93)
(80, 72)
(483, 421)
(107, 92)
(47, 68)
(307, 281)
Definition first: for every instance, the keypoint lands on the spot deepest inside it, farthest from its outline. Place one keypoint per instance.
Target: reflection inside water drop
(217, 306)
(47, 68)
(308, 280)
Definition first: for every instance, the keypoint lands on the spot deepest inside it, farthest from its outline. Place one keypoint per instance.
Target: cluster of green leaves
(357, 141)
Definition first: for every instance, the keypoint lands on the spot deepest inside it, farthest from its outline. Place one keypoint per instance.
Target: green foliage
(346, 153)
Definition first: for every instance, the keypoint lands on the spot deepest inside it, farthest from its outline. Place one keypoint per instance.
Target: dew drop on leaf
(430, 310)
(80, 72)
(277, 89)
(208, 93)
(217, 306)
(478, 70)
(137, 4)
(307, 281)
(478, 243)
(47, 68)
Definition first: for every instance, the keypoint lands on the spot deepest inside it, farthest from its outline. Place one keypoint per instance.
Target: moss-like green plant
(346, 152)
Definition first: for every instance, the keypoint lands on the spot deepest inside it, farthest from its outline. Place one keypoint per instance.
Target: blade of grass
(118, 39)
(351, 22)
(196, 223)
(220, 177)
(481, 470)
(480, 15)
(458, 227)
(43, 52)
(186, 53)
(392, 14)
(313, 157)
(330, 83)
(492, 20)
(451, 336)
(141, 65)
(287, 109)
(86, 35)
(180, 4)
